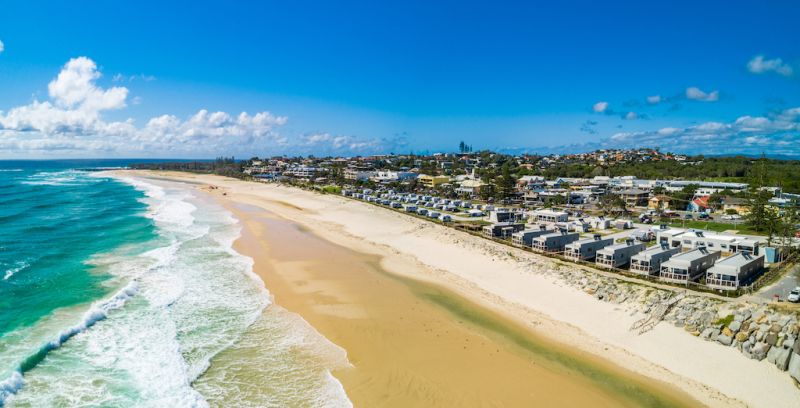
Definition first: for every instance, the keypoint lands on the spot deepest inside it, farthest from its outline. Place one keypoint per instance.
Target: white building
(549, 216)
(734, 271)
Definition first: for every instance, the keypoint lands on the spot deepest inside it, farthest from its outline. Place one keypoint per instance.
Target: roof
(701, 201)
(689, 256)
(738, 259)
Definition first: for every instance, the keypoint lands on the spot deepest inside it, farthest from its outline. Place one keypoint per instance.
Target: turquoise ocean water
(124, 292)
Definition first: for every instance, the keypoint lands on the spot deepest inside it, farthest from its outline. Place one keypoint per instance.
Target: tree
(612, 203)
(760, 216)
(506, 181)
(715, 201)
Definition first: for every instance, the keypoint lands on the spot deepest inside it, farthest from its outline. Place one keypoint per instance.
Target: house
(739, 205)
(688, 266)
(384, 176)
(471, 187)
(586, 249)
(734, 271)
(659, 202)
(549, 216)
(554, 241)
(353, 174)
(504, 215)
(525, 237)
(619, 255)
(648, 262)
(691, 239)
(699, 204)
(429, 181)
(502, 229)
(599, 223)
(634, 197)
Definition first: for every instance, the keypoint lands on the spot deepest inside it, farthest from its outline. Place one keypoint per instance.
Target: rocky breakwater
(758, 331)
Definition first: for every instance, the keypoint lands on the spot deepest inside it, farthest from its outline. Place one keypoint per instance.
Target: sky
(189, 79)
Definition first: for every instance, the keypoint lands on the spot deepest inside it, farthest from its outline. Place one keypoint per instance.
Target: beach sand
(486, 328)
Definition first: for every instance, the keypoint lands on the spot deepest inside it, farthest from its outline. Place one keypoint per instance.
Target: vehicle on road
(794, 295)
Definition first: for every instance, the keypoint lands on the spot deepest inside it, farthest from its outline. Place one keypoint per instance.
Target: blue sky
(170, 79)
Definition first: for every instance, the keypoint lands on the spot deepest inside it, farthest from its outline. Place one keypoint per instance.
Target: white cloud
(696, 94)
(2, 47)
(759, 65)
(71, 123)
(631, 116)
(600, 107)
(778, 134)
(654, 100)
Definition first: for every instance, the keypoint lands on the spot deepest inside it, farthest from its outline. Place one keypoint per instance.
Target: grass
(725, 321)
(714, 226)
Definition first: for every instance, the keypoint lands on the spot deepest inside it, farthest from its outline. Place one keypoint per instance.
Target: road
(781, 288)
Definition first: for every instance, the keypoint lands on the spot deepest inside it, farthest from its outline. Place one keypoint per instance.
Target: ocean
(123, 292)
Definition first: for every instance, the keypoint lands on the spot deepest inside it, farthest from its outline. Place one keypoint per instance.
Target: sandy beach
(348, 268)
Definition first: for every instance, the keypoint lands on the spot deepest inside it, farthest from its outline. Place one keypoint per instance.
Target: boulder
(735, 326)
(771, 338)
(759, 351)
(741, 337)
(775, 328)
(780, 357)
(726, 331)
(707, 333)
(794, 366)
(725, 339)
(745, 326)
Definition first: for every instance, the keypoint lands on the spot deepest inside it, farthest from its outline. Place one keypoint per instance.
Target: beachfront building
(549, 216)
(554, 241)
(600, 223)
(688, 266)
(648, 262)
(525, 237)
(618, 255)
(691, 239)
(586, 249)
(734, 271)
(503, 215)
(502, 229)
(429, 181)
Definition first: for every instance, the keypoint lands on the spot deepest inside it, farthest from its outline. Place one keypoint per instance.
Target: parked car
(794, 295)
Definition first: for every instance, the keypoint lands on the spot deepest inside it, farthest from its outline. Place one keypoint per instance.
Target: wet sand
(415, 344)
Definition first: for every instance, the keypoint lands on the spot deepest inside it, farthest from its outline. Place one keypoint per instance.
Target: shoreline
(491, 276)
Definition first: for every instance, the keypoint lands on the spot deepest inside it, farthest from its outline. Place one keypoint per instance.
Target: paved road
(781, 288)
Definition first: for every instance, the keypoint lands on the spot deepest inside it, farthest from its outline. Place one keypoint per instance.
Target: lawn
(715, 226)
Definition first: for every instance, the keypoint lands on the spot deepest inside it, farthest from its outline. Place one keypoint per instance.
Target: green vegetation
(725, 321)
(330, 189)
(740, 169)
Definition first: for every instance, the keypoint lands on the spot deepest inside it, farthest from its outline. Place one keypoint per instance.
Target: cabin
(586, 249)
(502, 229)
(734, 271)
(648, 262)
(688, 266)
(691, 239)
(525, 237)
(618, 255)
(554, 241)
(549, 216)
(411, 208)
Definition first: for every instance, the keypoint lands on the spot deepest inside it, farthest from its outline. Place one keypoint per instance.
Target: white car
(794, 295)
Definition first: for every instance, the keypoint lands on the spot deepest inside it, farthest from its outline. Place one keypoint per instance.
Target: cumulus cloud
(600, 107)
(695, 94)
(779, 134)
(654, 100)
(631, 116)
(2, 47)
(71, 123)
(760, 65)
